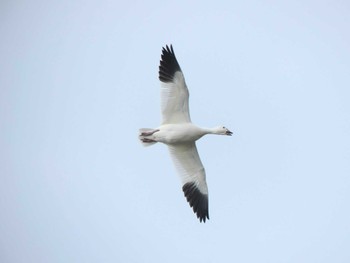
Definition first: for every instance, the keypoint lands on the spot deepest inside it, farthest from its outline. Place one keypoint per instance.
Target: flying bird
(180, 134)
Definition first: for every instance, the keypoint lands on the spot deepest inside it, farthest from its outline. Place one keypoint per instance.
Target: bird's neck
(210, 130)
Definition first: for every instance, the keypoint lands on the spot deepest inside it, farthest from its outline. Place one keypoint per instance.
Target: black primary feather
(197, 200)
(168, 64)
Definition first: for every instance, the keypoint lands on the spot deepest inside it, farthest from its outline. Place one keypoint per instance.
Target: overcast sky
(79, 78)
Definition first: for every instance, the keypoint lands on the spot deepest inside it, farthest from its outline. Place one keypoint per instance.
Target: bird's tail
(145, 136)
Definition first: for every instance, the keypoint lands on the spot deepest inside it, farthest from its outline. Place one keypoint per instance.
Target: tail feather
(146, 140)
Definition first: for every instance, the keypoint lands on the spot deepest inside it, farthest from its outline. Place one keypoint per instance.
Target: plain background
(77, 80)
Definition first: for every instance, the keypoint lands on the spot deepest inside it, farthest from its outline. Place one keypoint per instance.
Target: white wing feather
(189, 165)
(174, 92)
(191, 170)
(174, 100)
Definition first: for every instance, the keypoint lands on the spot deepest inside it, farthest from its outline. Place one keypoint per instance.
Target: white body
(173, 134)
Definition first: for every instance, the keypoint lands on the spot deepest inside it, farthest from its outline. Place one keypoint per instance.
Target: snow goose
(179, 134)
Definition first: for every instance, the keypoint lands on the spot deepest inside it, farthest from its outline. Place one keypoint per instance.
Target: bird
(180, 134)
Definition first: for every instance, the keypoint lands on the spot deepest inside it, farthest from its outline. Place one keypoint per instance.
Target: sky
(79, 78)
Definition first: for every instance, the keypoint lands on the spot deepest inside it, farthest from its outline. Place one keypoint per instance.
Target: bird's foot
(148, 133)
(147, 140)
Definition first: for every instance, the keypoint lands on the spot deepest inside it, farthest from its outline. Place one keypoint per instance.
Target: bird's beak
(229, 133)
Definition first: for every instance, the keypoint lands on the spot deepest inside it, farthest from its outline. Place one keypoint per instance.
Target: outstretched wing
(192, 173)
(174, 92)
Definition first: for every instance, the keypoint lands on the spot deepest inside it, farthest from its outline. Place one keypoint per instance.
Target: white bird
(179, 134)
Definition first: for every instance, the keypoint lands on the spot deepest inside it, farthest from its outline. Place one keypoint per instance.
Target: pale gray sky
(77, 80)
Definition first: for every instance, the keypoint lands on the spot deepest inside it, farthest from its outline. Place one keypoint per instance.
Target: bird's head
(222, 130)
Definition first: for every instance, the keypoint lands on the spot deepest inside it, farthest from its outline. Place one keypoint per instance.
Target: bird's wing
(174, 92)
(191, 170)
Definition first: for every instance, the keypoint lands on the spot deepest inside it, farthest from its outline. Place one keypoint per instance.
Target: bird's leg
(147, 140)
(148, 133)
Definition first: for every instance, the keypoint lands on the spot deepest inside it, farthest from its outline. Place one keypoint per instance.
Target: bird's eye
(223, 127)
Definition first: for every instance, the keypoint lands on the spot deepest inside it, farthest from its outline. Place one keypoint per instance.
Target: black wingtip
(197, 200)
(168, 64)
